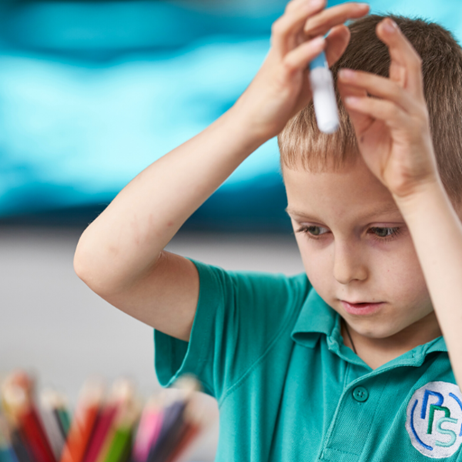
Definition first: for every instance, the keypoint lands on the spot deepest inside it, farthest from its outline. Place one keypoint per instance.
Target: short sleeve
(239, 316)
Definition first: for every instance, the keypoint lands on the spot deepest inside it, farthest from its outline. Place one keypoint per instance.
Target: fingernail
(317, 42)
(390, 26)
(317, 3)
(352, 100)
(347, 73)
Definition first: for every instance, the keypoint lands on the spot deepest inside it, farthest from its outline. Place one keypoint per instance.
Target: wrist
(238, 133)
(249, 120)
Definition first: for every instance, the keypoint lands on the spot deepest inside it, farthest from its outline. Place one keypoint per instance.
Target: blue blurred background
(92, 92)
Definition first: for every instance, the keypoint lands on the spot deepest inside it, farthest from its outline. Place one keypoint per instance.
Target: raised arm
(120, 255)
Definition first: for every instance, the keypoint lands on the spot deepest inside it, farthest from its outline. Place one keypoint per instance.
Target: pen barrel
(324, 100)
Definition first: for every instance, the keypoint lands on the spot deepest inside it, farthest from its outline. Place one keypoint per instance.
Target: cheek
(316, 261)
(400, 274)
(395, 273)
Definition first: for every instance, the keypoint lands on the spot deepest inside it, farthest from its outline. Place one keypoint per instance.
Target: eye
(313, 232)
(385, 233)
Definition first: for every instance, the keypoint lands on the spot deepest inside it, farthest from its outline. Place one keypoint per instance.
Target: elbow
(100, 269)
(82, 266)
(87, 269)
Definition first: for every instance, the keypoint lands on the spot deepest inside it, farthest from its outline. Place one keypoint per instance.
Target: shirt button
(360, 394)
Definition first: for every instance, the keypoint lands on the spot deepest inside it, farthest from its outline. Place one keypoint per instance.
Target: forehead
(349, 192)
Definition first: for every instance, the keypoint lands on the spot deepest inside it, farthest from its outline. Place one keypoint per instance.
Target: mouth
(362, 308)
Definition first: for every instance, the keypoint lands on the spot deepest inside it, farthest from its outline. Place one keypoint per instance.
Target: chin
(376, 330)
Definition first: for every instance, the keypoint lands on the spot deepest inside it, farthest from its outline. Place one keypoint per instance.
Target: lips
(361, 308)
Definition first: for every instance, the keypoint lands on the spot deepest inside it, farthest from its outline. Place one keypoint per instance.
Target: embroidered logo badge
(434, 419)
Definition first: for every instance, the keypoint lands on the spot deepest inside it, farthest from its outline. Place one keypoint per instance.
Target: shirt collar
(317, 317)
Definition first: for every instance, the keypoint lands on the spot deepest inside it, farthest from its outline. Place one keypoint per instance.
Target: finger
(285, 29)
(346, 90)
(381, 87)
(391, 114)
(298, 59)
(406, 64)
(360, 121)
(336, 43)
(321, 23)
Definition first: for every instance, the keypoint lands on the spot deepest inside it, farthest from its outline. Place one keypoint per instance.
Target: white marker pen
(322, 87)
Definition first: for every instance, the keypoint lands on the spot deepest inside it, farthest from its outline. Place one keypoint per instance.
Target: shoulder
(252, 287)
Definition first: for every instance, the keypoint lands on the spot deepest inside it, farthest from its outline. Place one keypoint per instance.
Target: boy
(346, 362)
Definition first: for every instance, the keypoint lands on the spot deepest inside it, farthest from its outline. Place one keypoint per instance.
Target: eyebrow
(389, 208)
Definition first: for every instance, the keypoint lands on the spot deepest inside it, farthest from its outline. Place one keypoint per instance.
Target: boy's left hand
(392, 124)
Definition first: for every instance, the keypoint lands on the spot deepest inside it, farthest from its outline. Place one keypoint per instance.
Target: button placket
(351, 426)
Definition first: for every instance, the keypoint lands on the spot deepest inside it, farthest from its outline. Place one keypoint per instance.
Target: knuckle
(417, 128)
(288, 66)
(422, 121)
(398, 92)
(342, 20)
(277, 27)
(393, 111)
(308, 24)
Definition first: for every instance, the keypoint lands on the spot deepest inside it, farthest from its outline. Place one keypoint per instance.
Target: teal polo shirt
(269, 349)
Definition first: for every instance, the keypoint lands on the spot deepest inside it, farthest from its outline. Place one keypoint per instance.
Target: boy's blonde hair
(301, 144)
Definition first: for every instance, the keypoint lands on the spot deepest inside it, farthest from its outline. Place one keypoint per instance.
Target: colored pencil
(7, 453)
(120, 442)
(173, 419)
(148, 429)
(102, 427)
(171, 425)
(195, 420)
(17, 394)
(17, 443)
(184, 442)
(121, 393)
(82, 425)
(20, 449)
(197, 416)
(63, 417)
(51, 401)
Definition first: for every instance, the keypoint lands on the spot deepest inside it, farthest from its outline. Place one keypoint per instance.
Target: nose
(348, 263)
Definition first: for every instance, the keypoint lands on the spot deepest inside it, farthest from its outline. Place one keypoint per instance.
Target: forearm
(437, 235)
(125, 241)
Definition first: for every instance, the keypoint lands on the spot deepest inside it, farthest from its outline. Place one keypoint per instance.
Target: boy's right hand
(281, 87)
(120, 255)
